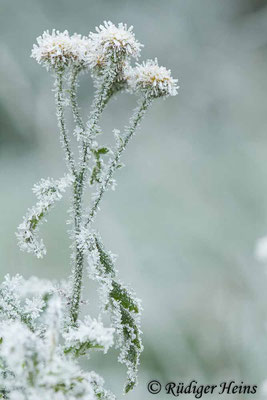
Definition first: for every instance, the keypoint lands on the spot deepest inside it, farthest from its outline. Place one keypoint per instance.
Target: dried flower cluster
(111, 47)
(42, 334)
(152, 79)
(113, 44)
(59, 49)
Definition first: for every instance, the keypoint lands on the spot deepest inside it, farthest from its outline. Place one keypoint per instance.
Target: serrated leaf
(127, 320)
(82, 349)
(120, 294)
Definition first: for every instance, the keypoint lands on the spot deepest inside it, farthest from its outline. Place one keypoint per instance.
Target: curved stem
(129, 132)
(61, 122)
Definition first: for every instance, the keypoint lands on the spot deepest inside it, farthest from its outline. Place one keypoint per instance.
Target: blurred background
(192, 200)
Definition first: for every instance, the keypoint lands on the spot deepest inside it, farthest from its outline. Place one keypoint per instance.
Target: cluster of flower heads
(110, 46)
(38, 350)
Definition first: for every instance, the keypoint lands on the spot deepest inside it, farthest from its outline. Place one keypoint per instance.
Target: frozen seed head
(152, 79)
(59, 49)
(111, 42)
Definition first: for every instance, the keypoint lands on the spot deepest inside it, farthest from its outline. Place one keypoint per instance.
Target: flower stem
(100, 101)
(103, 94)
(61, 122)
(73, 98)
(114, 162)
(78, 267)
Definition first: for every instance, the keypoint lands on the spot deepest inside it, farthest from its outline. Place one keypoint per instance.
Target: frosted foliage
(34, 357)
(122, 305)
(89, 334)
(42, 333)
(47, 191)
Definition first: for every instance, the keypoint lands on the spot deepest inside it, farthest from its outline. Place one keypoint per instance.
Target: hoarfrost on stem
(42, 333)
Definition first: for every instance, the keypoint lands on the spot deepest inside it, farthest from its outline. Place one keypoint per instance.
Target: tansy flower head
(113, 42)
(152, 79)
(59, 49)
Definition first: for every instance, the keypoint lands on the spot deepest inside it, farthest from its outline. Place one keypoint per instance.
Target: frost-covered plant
(42, 333)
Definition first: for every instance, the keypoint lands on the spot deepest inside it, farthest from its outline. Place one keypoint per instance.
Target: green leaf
(120, 294)
(81, 350)
(105, 259)
(103, 150)
(129, 313)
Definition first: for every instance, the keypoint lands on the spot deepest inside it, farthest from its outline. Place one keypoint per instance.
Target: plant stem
(100, 101)
(103, 94)
(129, 132)
(61, 122)
(78, 268)
(73, 98)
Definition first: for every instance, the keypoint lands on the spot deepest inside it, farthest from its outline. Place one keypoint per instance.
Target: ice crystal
(23, 300)
(79, 133)
(89, 334)
(98, 384)
(152, 79)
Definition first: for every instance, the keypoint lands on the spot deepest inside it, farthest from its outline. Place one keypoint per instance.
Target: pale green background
(192, 199)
